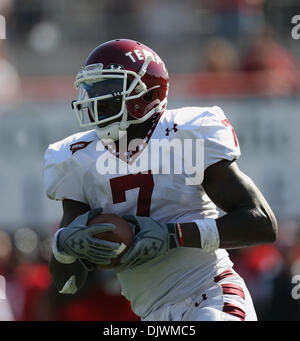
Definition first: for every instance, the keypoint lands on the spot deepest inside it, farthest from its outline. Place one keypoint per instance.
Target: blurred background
(238, 54)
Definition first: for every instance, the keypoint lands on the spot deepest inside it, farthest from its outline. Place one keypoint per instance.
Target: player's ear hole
(148, 96)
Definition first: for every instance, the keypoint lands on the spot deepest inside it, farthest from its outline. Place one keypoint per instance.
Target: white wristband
(209, 234)
(61, 257)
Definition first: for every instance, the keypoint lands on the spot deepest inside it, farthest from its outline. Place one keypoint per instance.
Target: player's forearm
(246, 227)
(249, 219)
(239, 228)
(62, 272)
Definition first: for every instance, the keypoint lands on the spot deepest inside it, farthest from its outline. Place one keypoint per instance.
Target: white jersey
(74, 169)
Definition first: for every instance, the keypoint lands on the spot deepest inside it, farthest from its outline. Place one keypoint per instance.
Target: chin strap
(157, 109)
(124, 123)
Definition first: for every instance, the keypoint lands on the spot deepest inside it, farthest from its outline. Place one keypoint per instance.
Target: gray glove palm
(153, 239)
(77, 240)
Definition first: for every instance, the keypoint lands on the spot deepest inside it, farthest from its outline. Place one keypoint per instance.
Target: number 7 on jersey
(144, 182)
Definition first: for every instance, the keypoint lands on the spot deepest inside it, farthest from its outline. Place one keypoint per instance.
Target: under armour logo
(174, 128)
(204, 297)
(116, 94)
(115, 67)
(147, 250)
(79, 243)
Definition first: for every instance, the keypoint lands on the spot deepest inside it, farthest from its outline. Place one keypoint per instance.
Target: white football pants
(226, 299)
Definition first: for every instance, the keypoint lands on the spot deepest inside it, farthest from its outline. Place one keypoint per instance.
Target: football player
(177, 267)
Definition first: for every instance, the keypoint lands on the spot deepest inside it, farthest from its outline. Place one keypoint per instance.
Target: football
(123, 235)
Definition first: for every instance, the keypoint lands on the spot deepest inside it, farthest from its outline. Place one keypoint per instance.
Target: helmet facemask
(102, 96)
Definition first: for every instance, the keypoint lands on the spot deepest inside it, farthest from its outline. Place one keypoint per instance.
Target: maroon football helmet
(123, 82)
